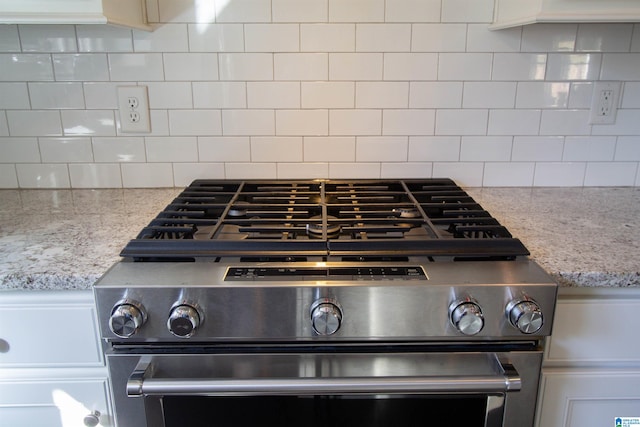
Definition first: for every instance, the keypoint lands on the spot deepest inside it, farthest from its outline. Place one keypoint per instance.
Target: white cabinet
(511, 13)
(128, 13)
(52, 370)
(591, 370)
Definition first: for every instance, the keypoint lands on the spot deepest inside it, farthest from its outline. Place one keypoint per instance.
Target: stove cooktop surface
(353, 220)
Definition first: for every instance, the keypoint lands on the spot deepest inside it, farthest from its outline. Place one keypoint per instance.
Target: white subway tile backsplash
(273, 94)
(604, 38)
(466, 174)
(48, 38)
(355, 66)
(356, 10)
(610, 174)
(573, 66)
(382, 149)
(481, 39)
(467, 11)
(190, 66)
(88, 122)
(383, 37)
(514, 122)
(195, 122)
(248, 122)
(302, 170)
(382, 94)
(435, 95)
(8, 176)
(136, 67)
(412, 10)
(635, 40)
(299, 10)
(565, 122)
(537, 148)
(219, 94)
(100, 96)
(617, 66)
(438, 38)
(34, 123)
(4, 126)
(224, 149)
(185, 173)
(170, 95)
(146, 175)
(328, 94)
(328, 37)
(410, 66)
(43, 175)
(627, 124)
(355, 122)
(66, 150)
(243, 11)
(434, 148)
(628, 148)
(543, 95)
(14, 96)
(9, 38)
(104, 38)
(354, 170)
(406, 170)
(408, 122)
(329, 149)
(56, 95)
(505, 174)
(121, 149)
(85, 67)
(171, 149)
(19, 150)
(301, 66)
(276, 149)
(519, 66)
(245, 66)
(272, 37)
(580, 95)
(25, 67)
(302, 122)
(251, 170)
(216, 37)
(556, 174)
(549, 38)
(159, 122)
(489, 95)
(461, 122)
(94, 175)
(589, 148)
(465, 66)
(630, 95)
(486, 148)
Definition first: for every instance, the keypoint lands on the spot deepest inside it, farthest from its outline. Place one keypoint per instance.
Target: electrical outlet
(133, 104)
(604, 103)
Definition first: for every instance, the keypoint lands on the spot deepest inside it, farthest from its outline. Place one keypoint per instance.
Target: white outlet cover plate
(143, 125)
(598, 88)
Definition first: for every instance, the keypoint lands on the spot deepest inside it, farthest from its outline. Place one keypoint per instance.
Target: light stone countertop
(66, 239)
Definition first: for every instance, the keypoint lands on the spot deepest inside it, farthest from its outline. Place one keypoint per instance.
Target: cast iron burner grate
(429, 217)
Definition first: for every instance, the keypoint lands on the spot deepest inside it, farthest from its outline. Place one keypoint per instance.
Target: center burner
(429, 217)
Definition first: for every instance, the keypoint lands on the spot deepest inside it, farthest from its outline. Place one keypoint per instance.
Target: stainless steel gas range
(291, 303)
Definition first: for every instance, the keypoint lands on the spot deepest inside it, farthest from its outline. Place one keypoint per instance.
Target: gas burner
(316, 229)
(238, 209)
(407, 212)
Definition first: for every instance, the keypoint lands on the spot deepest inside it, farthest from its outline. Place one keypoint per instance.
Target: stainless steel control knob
(525, 315)
(183, 321)
(92, 420)
(126, 318)
(467, 317)
(326, 316)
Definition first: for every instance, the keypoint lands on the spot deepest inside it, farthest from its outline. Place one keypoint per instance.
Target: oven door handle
(141, 383)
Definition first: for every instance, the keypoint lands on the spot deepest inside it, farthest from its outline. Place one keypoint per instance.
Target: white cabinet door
(588, 398)
(53, 403)
(130, 13)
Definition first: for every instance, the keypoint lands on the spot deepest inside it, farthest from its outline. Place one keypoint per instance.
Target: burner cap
(409, 212)
(238, 209)
(315, 229)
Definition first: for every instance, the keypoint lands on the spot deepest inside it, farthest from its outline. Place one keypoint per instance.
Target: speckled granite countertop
(65, 239)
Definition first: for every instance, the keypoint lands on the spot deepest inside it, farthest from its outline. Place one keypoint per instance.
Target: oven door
(319, 389)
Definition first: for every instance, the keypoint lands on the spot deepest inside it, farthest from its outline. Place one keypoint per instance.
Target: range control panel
(325, 273)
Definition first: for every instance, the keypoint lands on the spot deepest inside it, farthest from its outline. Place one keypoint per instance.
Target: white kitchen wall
(318, 89)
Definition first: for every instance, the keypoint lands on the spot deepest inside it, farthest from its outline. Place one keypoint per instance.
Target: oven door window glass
(322, 411)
